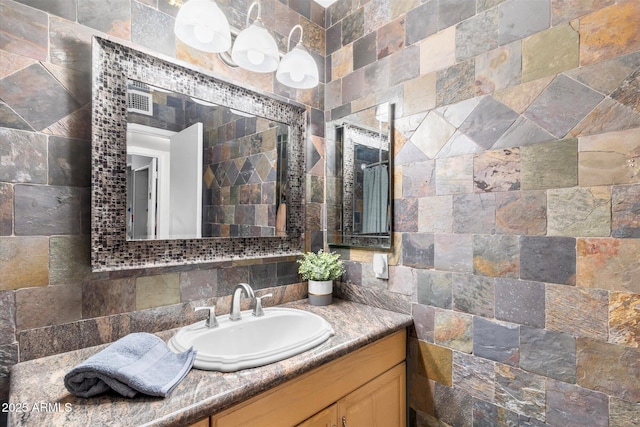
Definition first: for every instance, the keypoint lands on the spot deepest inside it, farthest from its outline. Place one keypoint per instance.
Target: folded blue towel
(139, 362)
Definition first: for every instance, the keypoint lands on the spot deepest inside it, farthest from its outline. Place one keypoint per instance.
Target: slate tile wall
(50, 301)
(516, 201)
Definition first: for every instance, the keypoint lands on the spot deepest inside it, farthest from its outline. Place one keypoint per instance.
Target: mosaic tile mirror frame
(113, 66)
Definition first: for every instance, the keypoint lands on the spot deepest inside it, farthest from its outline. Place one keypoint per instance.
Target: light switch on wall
(381, 266)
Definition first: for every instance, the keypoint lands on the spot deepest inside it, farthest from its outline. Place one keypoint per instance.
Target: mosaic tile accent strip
(114, 65)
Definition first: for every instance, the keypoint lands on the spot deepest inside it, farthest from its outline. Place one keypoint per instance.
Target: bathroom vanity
(358, 372)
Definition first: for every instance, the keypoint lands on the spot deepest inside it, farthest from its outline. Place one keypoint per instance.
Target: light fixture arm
(255, 3)
(291, 33)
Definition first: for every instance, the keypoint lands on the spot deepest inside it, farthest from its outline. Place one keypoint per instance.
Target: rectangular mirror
(359, 178)
(237, 181)
(196, 169)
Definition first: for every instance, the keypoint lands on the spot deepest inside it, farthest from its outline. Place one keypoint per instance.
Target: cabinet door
(201, 423)
(328, 417)
(379, 403)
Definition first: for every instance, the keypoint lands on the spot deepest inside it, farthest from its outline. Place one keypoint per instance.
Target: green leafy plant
(320, 266)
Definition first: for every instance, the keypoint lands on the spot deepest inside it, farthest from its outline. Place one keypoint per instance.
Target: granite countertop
(38, 396)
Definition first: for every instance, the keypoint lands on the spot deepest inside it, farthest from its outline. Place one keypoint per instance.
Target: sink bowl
(252, 341)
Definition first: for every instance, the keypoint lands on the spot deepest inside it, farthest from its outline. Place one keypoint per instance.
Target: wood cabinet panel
(293, 402)
(201, 423)
(328, 417)
(379, 403)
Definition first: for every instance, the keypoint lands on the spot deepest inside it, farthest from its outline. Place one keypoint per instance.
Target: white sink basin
(252, 341)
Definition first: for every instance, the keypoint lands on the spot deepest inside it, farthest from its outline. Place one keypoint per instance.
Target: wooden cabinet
(328, 417)
(367, 387)
(201, 423)
(379, 403)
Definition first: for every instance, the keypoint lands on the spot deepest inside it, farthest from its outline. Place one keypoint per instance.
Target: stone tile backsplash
(517, 176)
(517, 150)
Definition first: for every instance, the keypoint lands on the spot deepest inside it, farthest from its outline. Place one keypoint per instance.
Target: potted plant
(320, 269)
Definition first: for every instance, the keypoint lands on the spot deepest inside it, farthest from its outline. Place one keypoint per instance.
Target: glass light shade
(202, 25)
(298, 69)
(255, 50)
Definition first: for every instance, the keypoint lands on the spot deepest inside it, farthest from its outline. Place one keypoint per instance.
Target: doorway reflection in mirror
(198, 169)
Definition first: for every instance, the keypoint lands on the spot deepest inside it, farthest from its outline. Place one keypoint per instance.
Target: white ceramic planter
(320, 292)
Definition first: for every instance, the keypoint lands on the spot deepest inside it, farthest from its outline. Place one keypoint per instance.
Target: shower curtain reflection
(375, 199)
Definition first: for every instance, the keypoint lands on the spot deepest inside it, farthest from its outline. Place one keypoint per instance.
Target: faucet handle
(211, 322)
(257, 310)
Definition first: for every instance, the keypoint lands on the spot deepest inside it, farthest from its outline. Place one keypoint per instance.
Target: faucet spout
(235, 299)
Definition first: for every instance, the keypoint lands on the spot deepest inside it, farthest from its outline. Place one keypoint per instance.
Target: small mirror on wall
(359, 178)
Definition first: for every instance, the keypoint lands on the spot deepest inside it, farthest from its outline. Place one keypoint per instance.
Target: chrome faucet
(235, 299)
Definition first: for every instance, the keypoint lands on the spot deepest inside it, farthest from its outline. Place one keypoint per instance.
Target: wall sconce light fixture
(254, 48)
(202, 25)
(298, 69)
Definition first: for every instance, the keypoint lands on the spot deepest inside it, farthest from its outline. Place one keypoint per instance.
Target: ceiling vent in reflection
(139, 102)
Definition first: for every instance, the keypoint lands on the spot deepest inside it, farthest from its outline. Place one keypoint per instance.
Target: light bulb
(203, 33)
(255, 56)
(297, 75)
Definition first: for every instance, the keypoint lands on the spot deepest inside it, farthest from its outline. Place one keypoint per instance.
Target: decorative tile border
(113, 65)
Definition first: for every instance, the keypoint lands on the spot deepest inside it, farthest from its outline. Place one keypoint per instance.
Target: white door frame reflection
(174, 196)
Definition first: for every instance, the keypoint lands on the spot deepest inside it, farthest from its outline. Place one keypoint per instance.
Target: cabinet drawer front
(295, 401)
